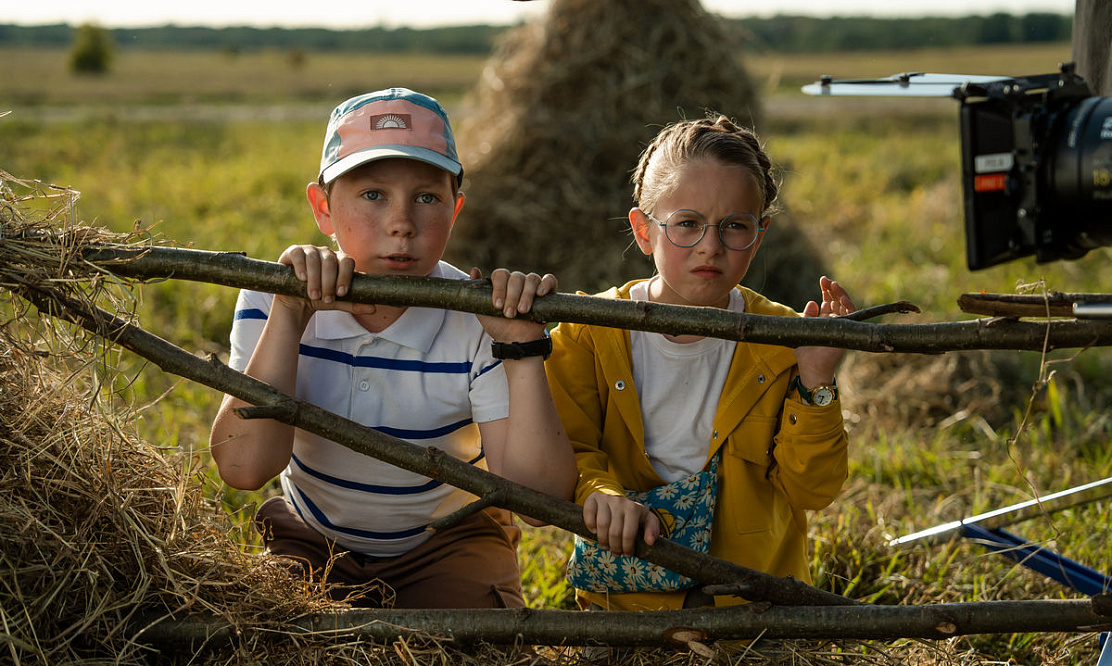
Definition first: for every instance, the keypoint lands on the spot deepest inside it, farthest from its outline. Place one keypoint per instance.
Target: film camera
(1036, 160)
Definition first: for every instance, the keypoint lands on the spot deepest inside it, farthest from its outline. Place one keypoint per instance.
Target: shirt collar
(415, 329)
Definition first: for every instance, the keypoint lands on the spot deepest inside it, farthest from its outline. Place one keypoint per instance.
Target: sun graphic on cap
(391, 121)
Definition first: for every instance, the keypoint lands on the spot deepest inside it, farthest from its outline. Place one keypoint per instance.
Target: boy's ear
(459, 207)
(318, 201)
(639, 222)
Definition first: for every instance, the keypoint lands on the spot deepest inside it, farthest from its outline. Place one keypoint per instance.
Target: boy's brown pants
(472, 564)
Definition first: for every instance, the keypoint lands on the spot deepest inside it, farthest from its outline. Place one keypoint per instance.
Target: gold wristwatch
(820, 396)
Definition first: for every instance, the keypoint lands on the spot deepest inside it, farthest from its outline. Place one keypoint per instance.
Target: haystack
(561, 114)
(100, 531)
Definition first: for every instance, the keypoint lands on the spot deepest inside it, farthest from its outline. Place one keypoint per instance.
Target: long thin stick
(1008, 515)
(236, 270)
(430, 462)
(554, 627)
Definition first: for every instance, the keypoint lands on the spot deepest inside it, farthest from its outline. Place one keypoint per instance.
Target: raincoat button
(715, 434)
(620, 385)
(791, 417)
(760, 379)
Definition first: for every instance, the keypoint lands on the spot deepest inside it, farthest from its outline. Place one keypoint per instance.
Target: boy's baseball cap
(396, 122)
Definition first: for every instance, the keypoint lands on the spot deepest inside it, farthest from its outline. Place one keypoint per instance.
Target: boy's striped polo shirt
(429, 379)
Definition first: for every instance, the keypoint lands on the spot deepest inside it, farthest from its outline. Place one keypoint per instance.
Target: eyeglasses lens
(685, 228)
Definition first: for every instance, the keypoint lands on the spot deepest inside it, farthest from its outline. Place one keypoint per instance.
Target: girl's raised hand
(514, 292)
(616, 520)
(817, 364)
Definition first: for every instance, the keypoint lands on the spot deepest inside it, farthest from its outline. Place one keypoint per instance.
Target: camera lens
(1077, 214)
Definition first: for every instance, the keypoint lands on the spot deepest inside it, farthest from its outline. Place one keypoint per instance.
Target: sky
(427, 13)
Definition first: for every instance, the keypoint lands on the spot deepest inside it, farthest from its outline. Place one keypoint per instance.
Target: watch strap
(513, 351)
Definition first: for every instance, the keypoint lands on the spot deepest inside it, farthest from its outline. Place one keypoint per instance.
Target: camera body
(1036, 168)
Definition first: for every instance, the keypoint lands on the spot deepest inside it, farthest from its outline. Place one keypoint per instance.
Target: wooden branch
(899, 307)
(640, 628)
(493, 499)
(1054, 304)
(236, 270)
(428, 462)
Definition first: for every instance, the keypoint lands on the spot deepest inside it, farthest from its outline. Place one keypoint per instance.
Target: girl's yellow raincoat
(781, 457)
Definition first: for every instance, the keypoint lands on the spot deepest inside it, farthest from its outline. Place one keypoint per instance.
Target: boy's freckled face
(703, 274)
(393, 216)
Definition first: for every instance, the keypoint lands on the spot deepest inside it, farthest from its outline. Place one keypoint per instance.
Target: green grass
(876, 185)
(268, 77)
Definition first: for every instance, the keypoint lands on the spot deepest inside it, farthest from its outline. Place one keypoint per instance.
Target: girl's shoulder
(622, 291)
(758, 304)
(586, 333)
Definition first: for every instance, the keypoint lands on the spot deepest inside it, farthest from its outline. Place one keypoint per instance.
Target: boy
(388, 194)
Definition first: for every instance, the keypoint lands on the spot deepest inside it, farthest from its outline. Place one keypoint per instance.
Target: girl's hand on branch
(817, 364)
(615, 522)
(327, 276)
(514, 292)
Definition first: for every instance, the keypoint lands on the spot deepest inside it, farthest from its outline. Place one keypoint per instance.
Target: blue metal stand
(1073, 575)
(986, 530)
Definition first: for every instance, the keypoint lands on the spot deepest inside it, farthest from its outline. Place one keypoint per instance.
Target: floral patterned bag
(686, 512)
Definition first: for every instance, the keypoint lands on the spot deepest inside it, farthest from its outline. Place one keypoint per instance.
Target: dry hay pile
(564, 109)
(924, 392)
(100, 532)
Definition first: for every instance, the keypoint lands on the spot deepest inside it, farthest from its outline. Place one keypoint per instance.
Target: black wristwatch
(512, 351)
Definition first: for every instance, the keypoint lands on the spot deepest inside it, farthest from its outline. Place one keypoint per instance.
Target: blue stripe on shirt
(250, 313)
(363, 534)
(371, 487)
(423, 434)
(462, 367)
(490, 367)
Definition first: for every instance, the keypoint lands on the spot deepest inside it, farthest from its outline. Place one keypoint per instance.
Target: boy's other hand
(514, 292)
(616, 520)
(817, 364)
(327, 276)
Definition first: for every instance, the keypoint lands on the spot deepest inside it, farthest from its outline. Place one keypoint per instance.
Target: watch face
(822, 396)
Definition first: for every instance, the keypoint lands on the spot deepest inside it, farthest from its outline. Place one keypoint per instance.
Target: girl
(644, 409)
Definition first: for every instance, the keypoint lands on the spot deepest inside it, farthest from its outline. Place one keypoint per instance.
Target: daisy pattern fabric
(686, 512)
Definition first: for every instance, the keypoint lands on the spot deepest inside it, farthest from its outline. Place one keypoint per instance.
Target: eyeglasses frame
(761, 227)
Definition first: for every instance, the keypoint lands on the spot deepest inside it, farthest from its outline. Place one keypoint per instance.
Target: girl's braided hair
(682, 142)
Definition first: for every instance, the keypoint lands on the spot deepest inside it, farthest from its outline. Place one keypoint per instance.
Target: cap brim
(362, 157)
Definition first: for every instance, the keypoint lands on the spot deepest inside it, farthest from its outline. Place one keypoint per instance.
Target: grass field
(214, 151)
(40, 77)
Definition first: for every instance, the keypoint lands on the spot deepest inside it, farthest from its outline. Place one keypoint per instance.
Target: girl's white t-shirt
(679, 386)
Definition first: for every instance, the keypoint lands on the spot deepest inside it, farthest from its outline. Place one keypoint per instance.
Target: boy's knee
(458, 592)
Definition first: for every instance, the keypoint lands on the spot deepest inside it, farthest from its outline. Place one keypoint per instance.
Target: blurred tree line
(802, 34)
(792, 34)
(477, 39)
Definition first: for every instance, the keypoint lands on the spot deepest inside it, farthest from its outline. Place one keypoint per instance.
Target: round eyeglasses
(685, 228)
